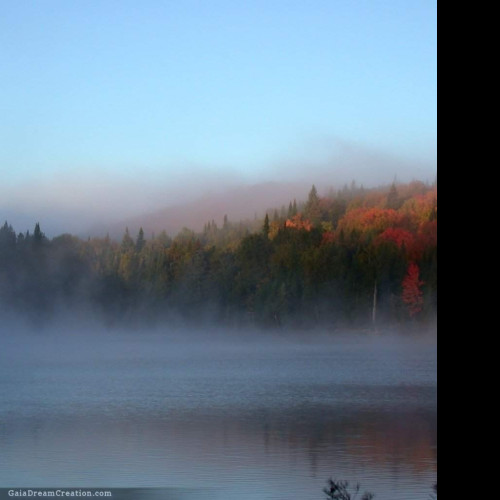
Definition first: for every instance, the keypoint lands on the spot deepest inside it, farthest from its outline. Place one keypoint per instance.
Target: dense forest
(354, 258)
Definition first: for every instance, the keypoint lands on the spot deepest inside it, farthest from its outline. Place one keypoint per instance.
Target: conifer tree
(140, 241)
(312, 209)
(38, 236)
(7, 236)
(127, 242)
(265, 227)
(393, 198)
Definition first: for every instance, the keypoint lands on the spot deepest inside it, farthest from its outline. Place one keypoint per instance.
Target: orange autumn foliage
(421, 207)
(367, 219)
(297, 222)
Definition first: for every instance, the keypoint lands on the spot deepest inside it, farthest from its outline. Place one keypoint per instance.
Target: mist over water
(245, 413)
(213, 235)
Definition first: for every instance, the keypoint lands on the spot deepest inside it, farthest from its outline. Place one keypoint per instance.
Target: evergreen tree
(127, 242)
(140, 241)
(393, 198)
(265, 227)
(7, 236)
(38, 236)
(312, 208)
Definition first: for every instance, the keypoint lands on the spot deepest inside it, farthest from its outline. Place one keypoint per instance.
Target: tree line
(353, 258)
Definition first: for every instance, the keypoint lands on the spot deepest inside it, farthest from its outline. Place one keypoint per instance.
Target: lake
(240, 416)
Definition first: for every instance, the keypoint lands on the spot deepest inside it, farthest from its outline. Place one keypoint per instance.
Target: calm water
(246, 419)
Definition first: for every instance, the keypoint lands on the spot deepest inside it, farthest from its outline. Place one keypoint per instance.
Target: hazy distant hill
(239, 203)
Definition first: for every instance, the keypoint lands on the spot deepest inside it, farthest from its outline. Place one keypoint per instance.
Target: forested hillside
(354, 258)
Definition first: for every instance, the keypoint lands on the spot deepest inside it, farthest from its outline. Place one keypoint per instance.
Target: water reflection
(264, 450)
(272, 424)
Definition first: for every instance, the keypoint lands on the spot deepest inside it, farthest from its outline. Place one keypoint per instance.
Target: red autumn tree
(399, 236)
(412, 293)
(328, 237)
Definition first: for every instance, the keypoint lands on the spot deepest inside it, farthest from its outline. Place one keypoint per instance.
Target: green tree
(38, 236)
(312, 209)
(127, 242)
(393, 200)
(140, 241)
(265, 227)
(252, 257)
(7, 237)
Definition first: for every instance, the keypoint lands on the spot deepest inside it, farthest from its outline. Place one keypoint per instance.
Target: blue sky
(107, 95)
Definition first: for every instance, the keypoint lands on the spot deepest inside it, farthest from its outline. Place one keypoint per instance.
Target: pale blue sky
(166, 92)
